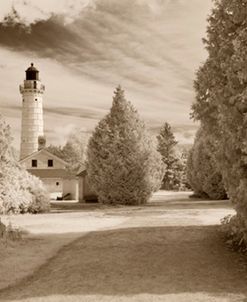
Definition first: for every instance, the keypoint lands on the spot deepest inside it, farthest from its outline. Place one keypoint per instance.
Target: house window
(57, 183)
(34, 163)
(50, 162)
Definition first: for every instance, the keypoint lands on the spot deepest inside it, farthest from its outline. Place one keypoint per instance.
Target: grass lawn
(21, 258)
(169, 250)
(47, 234)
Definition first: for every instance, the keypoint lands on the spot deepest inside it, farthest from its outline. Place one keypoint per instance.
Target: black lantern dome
(32, 73)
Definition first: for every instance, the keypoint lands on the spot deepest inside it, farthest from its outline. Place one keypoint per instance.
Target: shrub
(2, 229)
(20, 192)
(234, 228)
(203, 173)
(123, 165)
(40, 201)
(9, 232)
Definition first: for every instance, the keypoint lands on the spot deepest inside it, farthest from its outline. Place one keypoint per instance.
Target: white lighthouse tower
(32, 128)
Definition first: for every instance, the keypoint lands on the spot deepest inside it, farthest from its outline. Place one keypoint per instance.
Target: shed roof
(82, 173)
(50, 173)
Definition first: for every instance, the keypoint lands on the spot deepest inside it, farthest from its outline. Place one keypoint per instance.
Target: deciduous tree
(74, 151)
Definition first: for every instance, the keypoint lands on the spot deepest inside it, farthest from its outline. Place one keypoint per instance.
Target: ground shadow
(163, 203)
(158, 260)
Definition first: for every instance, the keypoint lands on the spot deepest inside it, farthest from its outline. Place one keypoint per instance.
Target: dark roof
(32, 68)
(82, 173)
(50, 173)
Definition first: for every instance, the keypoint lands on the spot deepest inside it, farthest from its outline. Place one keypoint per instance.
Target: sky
(85, 48)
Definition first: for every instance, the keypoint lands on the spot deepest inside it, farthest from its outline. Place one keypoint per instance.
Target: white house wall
(71, 186)
(54, 186)
(42, 162)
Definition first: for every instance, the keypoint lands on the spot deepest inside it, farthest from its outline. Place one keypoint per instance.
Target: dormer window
(34, 163)
(50, 162)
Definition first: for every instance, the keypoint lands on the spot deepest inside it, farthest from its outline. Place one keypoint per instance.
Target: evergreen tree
(202, 170)
(221, 96)
(123, 164)
(173, 178)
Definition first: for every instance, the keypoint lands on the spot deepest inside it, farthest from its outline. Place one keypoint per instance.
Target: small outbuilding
(86, 194)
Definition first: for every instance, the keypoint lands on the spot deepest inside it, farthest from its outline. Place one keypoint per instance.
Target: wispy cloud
(29, 11)
(151, 47)
(82, 112)
(116, 40)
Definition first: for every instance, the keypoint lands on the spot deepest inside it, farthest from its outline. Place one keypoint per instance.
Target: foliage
(2, 229)
(175, 176)
(234, 228)
(8, 232)
(123, 165)
(20, 192)
(183, 158)
(202, 171)
(74, 151)
(221, 96)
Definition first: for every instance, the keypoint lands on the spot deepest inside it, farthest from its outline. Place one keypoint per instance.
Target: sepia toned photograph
(123, 151)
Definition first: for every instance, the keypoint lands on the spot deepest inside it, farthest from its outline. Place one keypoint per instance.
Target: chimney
(41, 142)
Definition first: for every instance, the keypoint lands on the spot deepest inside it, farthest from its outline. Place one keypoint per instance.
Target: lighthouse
(32, 126)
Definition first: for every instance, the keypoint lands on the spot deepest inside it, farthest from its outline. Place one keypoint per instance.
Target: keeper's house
(52, 171)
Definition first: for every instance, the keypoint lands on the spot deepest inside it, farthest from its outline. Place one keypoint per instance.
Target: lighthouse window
(22, 100)
(50, 162)
(57, 183)
(34, 163)
(36, 99)
(35, 85)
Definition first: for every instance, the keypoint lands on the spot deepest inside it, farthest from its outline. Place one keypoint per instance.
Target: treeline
(120, 156)
(221, 108)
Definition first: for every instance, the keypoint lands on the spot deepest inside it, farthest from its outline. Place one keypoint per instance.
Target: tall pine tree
(174, 168)
(123, 164)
